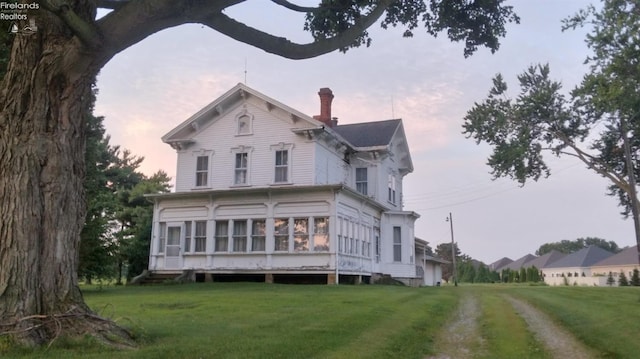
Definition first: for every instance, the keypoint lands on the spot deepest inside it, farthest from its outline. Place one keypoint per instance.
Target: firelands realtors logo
(17, 14)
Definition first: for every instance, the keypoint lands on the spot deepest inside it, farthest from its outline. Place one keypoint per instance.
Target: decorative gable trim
(216, 109)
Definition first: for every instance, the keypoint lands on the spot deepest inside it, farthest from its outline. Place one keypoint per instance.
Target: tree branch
(282, 46)
(138, 19)
(294, 7)
(594, 163)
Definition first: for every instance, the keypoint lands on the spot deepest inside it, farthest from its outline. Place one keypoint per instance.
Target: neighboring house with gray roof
(544, 260)
(265, 191)
(575, 268)
(624, 262)
(518, 263)
(500, 263)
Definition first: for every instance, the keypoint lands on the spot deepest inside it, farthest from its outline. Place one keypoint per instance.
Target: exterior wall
(615, 270)
(569, 272)
(355, 235)
(329, 166)
(372, 165)
(219, 139)
(581, 281)
(405, 268)
(254, 207)
(594, 276)
(387, 167)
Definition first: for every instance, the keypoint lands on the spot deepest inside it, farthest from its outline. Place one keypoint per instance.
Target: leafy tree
(622, 279)
(443, 251)
(610, 280)
(567, 246)
(466, 269)
(635, 278)
(597, 124)
(483, 274)
(46, 92)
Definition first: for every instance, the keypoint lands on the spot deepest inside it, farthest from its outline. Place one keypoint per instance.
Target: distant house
(266, 192)
(518, 263)
(495, 266)
(544, 260)
(623, 262)
(575, 268)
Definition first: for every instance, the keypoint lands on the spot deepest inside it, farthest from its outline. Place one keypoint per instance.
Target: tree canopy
(597, 123)
(567, 246)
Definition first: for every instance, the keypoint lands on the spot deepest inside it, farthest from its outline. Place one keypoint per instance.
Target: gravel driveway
(461, 338)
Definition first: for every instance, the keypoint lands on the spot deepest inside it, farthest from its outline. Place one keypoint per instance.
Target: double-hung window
(241, 168)
(361, 180)
(281, 234)
(258, 235)
(301, 234)
(222, 236)
(282, 166)
(397, 244)
(187, 236)
(202, 171)
(200, 237)
(392, 189)
(162, 237)
(321, 234)
(240, 236)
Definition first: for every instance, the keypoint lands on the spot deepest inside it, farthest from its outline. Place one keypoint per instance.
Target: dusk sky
(155, 85)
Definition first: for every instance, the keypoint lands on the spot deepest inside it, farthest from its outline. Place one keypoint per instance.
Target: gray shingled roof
(518, 263)
(585, 257)
(369, 134)
(500, 263)
(542, 261)
(628, 256)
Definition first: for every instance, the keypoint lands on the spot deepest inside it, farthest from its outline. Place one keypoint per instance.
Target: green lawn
(257, 320)
(606, 319)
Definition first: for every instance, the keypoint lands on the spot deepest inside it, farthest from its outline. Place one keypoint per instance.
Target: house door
(172, 248)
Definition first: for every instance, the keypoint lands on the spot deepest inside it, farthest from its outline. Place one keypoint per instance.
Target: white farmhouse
(265, 192)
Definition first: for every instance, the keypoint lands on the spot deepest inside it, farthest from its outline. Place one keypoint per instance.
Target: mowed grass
(257, 320)
(505, 333)
(605, 319)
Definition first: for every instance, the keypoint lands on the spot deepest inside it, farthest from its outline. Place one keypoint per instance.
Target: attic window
(244, 124)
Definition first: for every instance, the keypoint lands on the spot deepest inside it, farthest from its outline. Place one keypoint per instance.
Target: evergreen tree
(96, 259)
(610, 280)
(622, 279)
(135, 249)
(635, 278)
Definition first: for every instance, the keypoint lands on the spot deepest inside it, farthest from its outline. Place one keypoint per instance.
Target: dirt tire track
(558, 341)
(461, 337)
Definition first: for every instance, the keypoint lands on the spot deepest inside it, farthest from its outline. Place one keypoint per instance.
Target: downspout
(335, 210)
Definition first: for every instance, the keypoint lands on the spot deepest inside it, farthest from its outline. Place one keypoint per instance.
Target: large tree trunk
(43, 101)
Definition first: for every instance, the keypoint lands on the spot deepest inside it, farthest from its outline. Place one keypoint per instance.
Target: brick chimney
(326, 96)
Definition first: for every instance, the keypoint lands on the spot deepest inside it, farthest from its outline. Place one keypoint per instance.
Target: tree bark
(43, 101)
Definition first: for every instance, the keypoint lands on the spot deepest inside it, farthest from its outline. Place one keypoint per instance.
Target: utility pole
(453, 251)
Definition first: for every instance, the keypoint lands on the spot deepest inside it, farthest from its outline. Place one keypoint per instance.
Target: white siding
(329, 166)
(219, 138)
